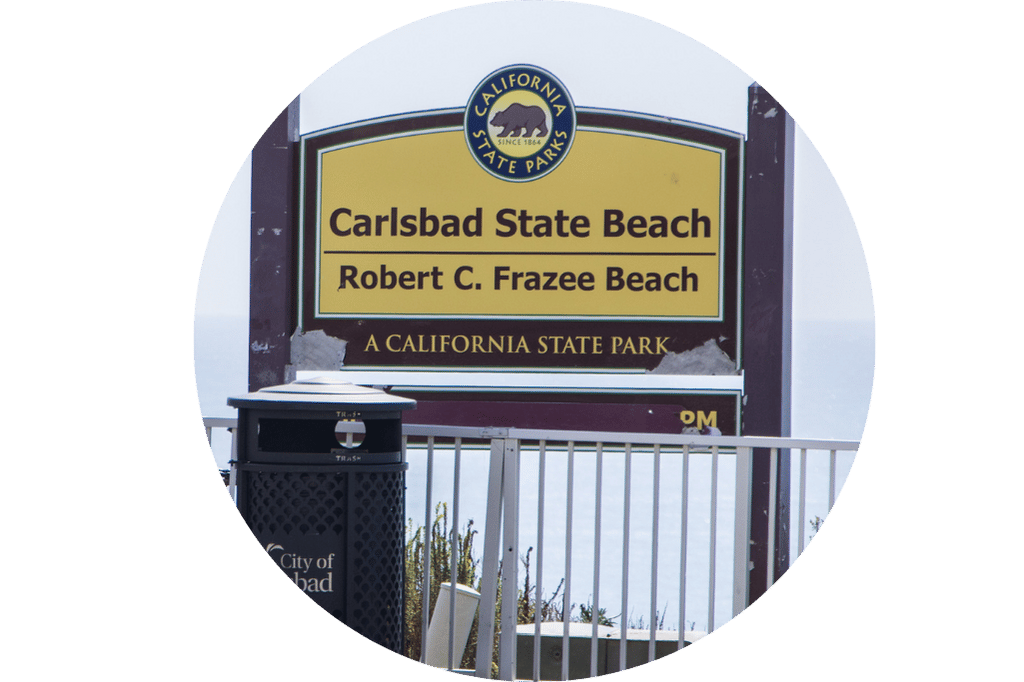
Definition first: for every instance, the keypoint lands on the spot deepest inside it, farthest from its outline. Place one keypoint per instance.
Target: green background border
(125, 125)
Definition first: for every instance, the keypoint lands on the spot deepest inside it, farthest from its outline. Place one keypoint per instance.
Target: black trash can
(332, 517)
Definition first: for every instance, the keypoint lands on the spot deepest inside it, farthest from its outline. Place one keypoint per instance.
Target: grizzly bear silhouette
(518, 117)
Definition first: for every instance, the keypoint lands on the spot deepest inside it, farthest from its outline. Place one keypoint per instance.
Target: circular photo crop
(534, 358)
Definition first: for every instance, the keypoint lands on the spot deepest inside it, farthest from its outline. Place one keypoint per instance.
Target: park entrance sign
(523, 234)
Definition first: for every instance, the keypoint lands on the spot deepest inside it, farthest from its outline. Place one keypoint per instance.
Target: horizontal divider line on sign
(513, 253)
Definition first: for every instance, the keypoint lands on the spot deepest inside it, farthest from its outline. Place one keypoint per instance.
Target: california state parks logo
(520, 123)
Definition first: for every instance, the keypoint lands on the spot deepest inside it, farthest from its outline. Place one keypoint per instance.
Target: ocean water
(832, 372)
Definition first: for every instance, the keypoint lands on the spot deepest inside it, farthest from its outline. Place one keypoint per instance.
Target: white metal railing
(506, 448)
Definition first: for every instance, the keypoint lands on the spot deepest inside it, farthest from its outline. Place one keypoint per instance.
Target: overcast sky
(618, 62)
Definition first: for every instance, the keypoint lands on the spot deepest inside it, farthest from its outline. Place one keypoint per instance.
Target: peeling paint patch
(258, 347)
(314, 350)
(707, 359)
(771, 113)
(704, 431)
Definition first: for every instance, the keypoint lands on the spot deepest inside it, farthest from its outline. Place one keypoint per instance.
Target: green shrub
(441, 540)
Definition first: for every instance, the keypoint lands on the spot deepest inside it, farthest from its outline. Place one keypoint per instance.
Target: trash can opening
(322, 436)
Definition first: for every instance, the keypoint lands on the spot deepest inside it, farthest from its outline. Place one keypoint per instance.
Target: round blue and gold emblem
(520, 123)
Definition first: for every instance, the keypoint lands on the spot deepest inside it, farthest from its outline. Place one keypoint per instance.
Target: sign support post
(272, 254)
(767, 321)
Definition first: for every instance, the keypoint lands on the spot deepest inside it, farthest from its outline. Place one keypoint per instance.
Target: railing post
(623, 630)
(655, 514)
(454, 571)
(713, 544)
(741, 551)
(490, 559)
(510, 561)
(684, 521)
(538, 615)
(773, 468)
(803, 502)
(427, 528)
(831, 479)
(595, 610)
(567, 594)
(233, 465)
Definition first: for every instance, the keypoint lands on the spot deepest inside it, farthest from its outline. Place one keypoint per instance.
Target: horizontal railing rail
(501, 556)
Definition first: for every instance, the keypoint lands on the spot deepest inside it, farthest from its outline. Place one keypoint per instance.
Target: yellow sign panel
(628, 227)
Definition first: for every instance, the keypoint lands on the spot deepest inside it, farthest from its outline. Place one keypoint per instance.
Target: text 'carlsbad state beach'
(510, 222)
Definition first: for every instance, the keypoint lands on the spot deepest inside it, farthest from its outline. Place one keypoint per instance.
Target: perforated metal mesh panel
(377, 560)
(296, 503)
(356, 512)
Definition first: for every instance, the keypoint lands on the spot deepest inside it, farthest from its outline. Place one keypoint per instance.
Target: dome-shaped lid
(323, 393)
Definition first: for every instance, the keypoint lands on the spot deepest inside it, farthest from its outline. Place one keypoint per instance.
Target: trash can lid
(323, 393)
